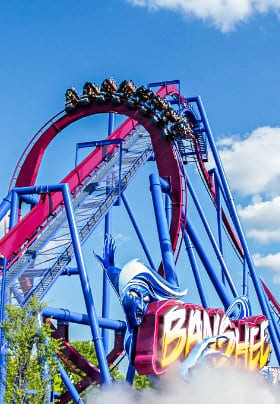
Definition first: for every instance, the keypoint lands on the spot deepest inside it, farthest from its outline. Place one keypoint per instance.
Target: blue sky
(227, 52)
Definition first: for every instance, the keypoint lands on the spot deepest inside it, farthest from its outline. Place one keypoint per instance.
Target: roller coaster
(193, 226)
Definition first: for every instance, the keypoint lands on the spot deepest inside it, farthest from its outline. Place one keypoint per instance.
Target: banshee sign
(171, 329)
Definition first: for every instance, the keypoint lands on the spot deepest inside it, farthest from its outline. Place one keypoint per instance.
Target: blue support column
(107, 231)
(212, 239)
(100, 353)
(219, 286)
(130, 374)
(69, 385)
(138, 231)
(5, 205)
(237, 224)
(79, 318)
(163, 231)
(3, 364)
(64, 188)
(168, 209)
(219, 219)
(106, 289)
(201, 289)
(245, 287)
(14, 209)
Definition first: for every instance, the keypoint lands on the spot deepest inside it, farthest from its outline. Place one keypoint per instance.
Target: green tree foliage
(141, 382)
(31, 365)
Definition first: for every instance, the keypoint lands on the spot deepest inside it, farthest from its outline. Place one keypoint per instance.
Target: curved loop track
(166, 160)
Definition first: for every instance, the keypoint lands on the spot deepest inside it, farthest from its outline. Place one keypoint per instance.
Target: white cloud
(121, 239)
(223, 14)
(252, 164)
(262, 220)
(271, 261)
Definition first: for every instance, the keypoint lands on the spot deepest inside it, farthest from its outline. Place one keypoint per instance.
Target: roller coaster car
(71, 99)
(90, 92)
(181, 128)
(171, 115)
(127, 88)
(108, 86)
(145, 110)
(159, 103)
(143, 93)
(159, 121)
(168, 135)
(90, 89)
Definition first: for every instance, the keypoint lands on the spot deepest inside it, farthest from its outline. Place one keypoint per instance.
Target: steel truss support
(211, 237)
(195, 269)
(156, 186)
(91, 311)
(3, 363)
(138, 231)
(107, 231)
(237, 224)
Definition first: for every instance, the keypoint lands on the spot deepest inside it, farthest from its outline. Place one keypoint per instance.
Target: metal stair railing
(47, 256)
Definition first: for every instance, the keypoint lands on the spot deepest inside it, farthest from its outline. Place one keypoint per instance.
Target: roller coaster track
(52, 250)
(39, 246)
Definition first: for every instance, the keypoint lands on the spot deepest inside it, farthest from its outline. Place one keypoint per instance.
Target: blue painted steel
(18, 294)
(70, 271)
(164, 83)
(79, 318)
(95, 143)
(5, 205)
(107, 231)
(245, 286)
(212, 239)
(236, 221)
(3, 264)
(105, 142)
(168, 209)
(29, 199)
(219, 286)
(163, 231)
(138, 231)
(195, 270)
(16, 198)
(14, 210)
(100, 353)
(130, 374)
(165, 186)
(219, 188)
(64, 188)
(219, 220)
(69, 385)
(163, 218)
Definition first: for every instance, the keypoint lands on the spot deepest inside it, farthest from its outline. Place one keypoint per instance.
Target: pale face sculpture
(135, 300)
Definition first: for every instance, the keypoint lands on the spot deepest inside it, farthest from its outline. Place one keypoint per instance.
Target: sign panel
(171, 329)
